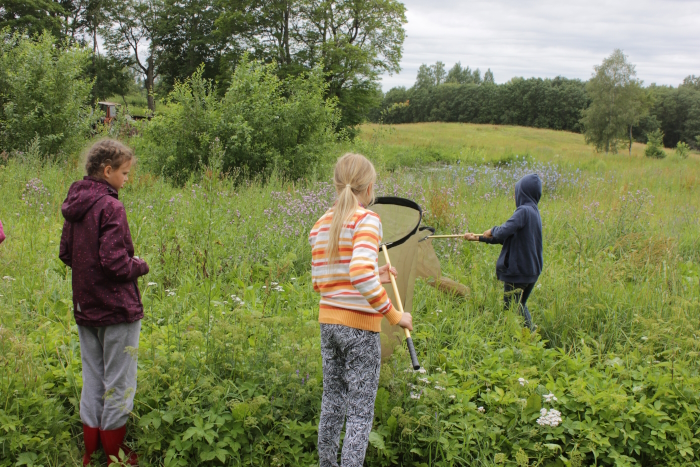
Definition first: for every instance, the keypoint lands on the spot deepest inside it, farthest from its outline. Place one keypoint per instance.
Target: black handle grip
(412, 352)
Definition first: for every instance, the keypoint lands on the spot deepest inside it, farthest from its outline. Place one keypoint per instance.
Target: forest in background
(462, 95)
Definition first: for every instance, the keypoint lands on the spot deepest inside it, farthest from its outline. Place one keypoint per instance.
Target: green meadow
(229, 358)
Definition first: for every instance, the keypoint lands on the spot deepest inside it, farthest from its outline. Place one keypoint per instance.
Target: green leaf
(534, 404)
(376, 440)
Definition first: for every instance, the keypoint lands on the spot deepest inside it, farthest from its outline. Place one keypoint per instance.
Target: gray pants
(351, 363)
(109, 374)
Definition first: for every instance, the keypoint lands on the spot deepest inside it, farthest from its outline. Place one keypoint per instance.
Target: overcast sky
(550, 38)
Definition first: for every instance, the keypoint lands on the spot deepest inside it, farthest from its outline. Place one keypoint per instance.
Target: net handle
(399, 305)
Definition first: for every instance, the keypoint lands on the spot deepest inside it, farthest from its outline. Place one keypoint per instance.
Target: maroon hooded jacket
(96, 244)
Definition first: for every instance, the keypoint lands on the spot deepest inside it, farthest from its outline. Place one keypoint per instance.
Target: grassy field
(229, 359)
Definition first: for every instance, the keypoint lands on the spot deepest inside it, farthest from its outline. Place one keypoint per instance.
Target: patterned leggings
(351, 363)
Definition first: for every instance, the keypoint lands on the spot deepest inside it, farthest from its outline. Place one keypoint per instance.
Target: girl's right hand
(406, 321)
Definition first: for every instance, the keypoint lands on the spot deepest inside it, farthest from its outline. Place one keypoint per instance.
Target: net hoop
(403, 202)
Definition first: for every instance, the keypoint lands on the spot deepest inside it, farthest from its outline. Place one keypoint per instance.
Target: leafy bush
(682, 150)
(43, 94)
(655, 143)
(262, 124)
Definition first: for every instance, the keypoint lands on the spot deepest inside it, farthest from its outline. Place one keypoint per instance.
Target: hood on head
(528, 190)
(83, 195)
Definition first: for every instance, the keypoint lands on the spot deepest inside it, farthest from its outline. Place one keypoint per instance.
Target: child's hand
(406, 321)
(384, 274)
(470, 237)
(487, 234)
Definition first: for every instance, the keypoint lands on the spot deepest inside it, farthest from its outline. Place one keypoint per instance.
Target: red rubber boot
(91, 438)
(113, 441)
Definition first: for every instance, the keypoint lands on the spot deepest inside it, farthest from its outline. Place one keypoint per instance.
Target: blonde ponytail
(352, 177)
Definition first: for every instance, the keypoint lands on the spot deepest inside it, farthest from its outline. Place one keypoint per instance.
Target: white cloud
(551, 38)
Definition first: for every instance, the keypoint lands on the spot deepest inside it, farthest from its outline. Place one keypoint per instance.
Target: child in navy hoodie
(520, 263)
(96, 245)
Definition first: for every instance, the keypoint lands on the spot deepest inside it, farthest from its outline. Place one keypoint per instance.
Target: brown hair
(106, 152)
(352, 176)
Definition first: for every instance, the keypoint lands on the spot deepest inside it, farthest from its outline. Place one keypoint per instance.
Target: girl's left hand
(384, 274)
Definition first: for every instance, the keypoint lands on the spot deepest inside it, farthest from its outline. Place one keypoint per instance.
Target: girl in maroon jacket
(96, 244)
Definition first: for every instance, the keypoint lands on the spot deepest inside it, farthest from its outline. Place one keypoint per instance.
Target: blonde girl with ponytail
(345, 247)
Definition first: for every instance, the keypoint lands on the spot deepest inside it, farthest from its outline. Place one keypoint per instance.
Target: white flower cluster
(522, 381)
(276, 287)
(420, 370)
(481, 410)
(550, 397)
(237, 300)
(424, 380)
(7, 278)
(415, 395)
(550, 417)
(171, 292)
(439, 388)
(151, 284)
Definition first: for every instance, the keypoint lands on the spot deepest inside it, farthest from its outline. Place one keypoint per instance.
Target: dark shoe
(91, 438)
(112, 442)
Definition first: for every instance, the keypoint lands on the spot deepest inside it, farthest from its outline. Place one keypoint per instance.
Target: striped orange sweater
(351, 293)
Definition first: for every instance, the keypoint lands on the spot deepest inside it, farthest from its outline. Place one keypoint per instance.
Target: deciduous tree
(617, 103)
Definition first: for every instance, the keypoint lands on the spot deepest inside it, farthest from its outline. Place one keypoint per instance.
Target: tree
(430, 76)
(134, 24)
(111, 77)
(488, 77)
(45, 95)
(354, 41)
(33, 16)
(459, 75)
(186, 40)
(617, 103)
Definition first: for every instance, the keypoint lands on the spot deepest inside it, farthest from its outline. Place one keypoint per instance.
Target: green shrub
(682, 150)
(262, 124)
(43, 94)
(655, 144)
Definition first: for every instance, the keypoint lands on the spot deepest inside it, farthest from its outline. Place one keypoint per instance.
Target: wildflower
(481, 409)
(151, 284)
(522, 381)
(550, 397)
(170, 294)
(421, 370)
(7, 278)
(424, 380)
(439, 388)
(452, 396)
(549, 418)
(645, 338)
(415, 395)
(294, 278)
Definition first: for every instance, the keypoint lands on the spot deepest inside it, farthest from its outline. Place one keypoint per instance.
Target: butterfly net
(411, 253)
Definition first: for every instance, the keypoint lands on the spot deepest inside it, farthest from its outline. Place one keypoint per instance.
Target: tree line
(612, 109)
(165, 41)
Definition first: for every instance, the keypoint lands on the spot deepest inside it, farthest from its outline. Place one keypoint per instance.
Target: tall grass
(229, 360)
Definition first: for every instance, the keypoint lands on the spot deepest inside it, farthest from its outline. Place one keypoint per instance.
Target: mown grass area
(229, 360)
(420, 143)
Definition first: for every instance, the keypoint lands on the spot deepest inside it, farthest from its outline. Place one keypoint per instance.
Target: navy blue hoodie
(520, 261)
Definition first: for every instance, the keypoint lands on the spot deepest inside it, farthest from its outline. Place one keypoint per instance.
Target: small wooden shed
(110, 110)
